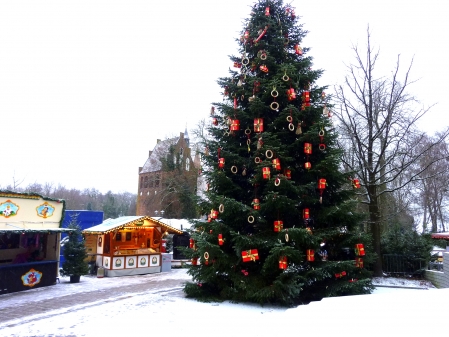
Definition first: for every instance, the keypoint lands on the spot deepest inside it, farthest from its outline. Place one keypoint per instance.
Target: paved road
(20, 307)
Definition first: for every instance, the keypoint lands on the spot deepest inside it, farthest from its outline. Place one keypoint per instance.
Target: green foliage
(74, 252)
(404, 240)
(333, 225)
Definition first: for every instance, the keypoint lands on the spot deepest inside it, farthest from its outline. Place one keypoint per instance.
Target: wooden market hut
(30, 234)
(128, 245)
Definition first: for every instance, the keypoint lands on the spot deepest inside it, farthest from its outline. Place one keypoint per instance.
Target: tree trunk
(374, 218)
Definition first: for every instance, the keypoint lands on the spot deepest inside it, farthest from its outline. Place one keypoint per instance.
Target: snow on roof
(181, 224)
(153, 163)
(444, 235)
(118, 223)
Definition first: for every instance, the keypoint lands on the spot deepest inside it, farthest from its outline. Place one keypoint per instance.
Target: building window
(151, 183)
(141, 182)
(146, 182)
(157, 181)
(187, 164)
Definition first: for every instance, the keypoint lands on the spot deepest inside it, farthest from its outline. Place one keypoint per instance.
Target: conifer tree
(281, 226)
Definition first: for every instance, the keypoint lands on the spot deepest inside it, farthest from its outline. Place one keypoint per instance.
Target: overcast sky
(87, 87)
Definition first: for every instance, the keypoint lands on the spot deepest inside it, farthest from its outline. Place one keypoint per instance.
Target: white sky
(87, 87)
(387, 312)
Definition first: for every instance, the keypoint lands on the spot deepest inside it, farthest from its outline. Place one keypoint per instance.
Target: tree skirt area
(390, 311)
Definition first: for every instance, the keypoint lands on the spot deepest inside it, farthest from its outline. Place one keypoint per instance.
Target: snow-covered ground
(388, 311)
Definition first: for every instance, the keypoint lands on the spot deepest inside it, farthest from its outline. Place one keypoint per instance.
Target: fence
(394, 264)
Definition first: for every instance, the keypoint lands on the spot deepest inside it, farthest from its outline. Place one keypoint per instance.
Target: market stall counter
(30, 234)
(129, 245)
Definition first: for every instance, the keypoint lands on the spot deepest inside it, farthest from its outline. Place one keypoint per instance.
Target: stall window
(128, 236)
(9, 241)
(118, 237)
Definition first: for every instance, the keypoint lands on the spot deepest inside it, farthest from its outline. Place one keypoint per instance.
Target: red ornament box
(278, 225)
(310, 255)
(256, 204)
(250, 255)
(276, 164)
(258, 124)
(283, 262)
(359, 249)
(307, 148)
(266, 173)
(235, 125)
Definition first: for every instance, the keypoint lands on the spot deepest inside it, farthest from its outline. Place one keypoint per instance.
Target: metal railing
(395, 264)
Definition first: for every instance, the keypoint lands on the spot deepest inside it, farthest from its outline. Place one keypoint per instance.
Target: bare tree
(378, 118)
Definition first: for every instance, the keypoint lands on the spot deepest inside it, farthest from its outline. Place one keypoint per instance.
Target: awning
(444, 235)
(39, 230)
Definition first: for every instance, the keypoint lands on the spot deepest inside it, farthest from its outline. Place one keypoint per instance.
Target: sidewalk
(90, 291)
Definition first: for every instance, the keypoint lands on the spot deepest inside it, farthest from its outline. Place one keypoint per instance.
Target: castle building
(168, 179)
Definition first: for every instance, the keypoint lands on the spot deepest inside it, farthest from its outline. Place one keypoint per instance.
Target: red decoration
(356, 183)
(213, 214)
(264, 68)
(261, 34)
(256, 204)
(305, 213)
(359, 249)
(359, 262)
(291, 94)
(221, 162)
(250, 255)
(283, 262)
(244, 272)
(191, 243)
(307, 165)
(298, 49)
(266, 172)
(220, 239)
(288, 174)
(322, 184)
(340, 275)
(214, 121)
(258, 124)
(206, 258)
(235, 125)
(307, 148)
(212, 110)
(310, 255)
(246, 35)
(306, 98)
(209, 219)
(276, 164)
(267, 11)
(278, 225)
(237, 65)
(194, 261)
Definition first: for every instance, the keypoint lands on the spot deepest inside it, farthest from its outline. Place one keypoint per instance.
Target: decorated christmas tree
(281, 226)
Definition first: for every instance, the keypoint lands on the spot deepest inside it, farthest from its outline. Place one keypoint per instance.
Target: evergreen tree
(279, 202)
(75, 254)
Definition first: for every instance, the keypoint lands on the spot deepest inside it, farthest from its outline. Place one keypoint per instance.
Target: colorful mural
(45, 210)
(31, 278)
(8, 209)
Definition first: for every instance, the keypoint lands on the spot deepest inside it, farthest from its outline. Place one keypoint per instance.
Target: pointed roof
(153, 163)
(111, 225)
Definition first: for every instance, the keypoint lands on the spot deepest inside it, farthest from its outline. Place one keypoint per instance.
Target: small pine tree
(282, 227)
(75, 254)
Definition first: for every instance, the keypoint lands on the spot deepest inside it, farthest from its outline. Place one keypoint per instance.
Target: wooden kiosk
(30, 237)
(129, 245)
